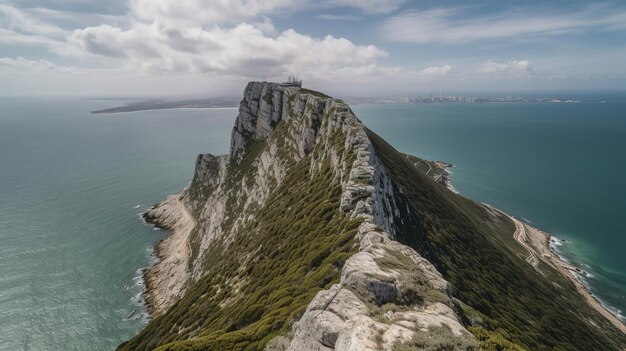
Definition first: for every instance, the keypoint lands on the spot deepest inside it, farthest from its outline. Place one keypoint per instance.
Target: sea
(73, 185)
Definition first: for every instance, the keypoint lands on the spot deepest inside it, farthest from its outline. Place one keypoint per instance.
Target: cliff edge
(315, 234)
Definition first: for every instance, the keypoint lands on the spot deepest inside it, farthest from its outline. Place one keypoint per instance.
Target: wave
(526, 220)
(583, 275)
(138, 287)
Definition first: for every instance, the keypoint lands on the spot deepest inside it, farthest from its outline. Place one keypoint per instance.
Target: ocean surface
(559, 166)
(72, 186)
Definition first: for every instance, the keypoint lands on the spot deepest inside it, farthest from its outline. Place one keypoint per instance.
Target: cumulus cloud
(240, 50)
(453, 25)
(228, 38)
(511, 68)
(437, 71)
(199, 12)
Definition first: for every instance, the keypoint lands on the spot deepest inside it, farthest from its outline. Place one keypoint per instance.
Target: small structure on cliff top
(294, 82)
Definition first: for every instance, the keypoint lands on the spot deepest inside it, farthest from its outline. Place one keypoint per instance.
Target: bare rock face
(259, 111)
(387, 293)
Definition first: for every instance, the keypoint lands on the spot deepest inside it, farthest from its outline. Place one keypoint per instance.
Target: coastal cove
(88, 191)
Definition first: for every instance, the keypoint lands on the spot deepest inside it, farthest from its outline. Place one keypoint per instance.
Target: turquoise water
(71, 237)
(560, 166)
(72, 185)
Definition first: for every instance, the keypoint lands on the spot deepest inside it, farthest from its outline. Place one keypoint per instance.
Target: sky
(342, 47)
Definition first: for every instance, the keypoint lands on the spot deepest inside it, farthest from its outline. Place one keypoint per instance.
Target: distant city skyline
(343, 47)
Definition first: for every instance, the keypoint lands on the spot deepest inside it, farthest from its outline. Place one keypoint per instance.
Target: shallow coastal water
(72, 185)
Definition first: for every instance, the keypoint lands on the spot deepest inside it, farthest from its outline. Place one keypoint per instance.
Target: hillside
(315, 234)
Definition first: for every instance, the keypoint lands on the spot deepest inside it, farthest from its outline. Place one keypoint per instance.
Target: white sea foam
(138, 285)
(143, 220)
(554, 241)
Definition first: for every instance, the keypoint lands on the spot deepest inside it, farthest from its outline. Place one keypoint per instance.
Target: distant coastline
(217, 102)
(231, 102)
(462, 99)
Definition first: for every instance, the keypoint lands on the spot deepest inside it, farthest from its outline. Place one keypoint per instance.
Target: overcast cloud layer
(366, 47)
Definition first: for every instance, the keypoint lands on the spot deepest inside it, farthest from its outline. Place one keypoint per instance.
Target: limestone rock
(387, 291)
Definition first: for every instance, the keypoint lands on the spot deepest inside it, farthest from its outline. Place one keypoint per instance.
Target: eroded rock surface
(387, 292)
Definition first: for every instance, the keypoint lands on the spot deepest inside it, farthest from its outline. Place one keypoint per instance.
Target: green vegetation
(260, 275)
(256, 285)
(438, 339)
(475, 251)
(416, 286)
(295, 247)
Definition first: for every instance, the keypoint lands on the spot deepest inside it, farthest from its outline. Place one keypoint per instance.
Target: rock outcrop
(306, 237)
(386, 293)
(166, 278)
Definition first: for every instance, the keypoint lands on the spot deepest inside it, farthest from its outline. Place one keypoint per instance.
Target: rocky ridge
(387, 293)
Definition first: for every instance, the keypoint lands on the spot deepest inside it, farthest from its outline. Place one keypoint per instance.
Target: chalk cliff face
(290, 242)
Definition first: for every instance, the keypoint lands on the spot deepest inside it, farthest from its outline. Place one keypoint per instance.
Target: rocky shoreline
(376, 195)
(164, 280)
(162, 288)
(540, 240)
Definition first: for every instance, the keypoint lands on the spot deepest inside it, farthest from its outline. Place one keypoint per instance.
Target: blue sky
(346, 47)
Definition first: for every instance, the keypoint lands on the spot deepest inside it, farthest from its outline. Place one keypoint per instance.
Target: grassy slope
(294, 248)
(476, 252)
(261, 283)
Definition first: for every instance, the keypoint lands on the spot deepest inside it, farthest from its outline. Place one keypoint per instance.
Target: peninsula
(313, 233)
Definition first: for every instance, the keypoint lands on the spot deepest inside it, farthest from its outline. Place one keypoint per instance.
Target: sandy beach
(537, 242)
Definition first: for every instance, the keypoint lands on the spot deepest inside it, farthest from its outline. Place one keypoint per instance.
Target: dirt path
(521, 237)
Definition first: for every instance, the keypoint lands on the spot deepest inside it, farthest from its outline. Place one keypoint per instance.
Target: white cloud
(453, 25)
(11, 37)
(12, 18)
(520, 68)
(20, 63)
(437, 70)
(330, 17)
(172, 46)
(169, 36)
(369, 6)
(42, 77)
(201, 13)
(189, 42)
(243, 50)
